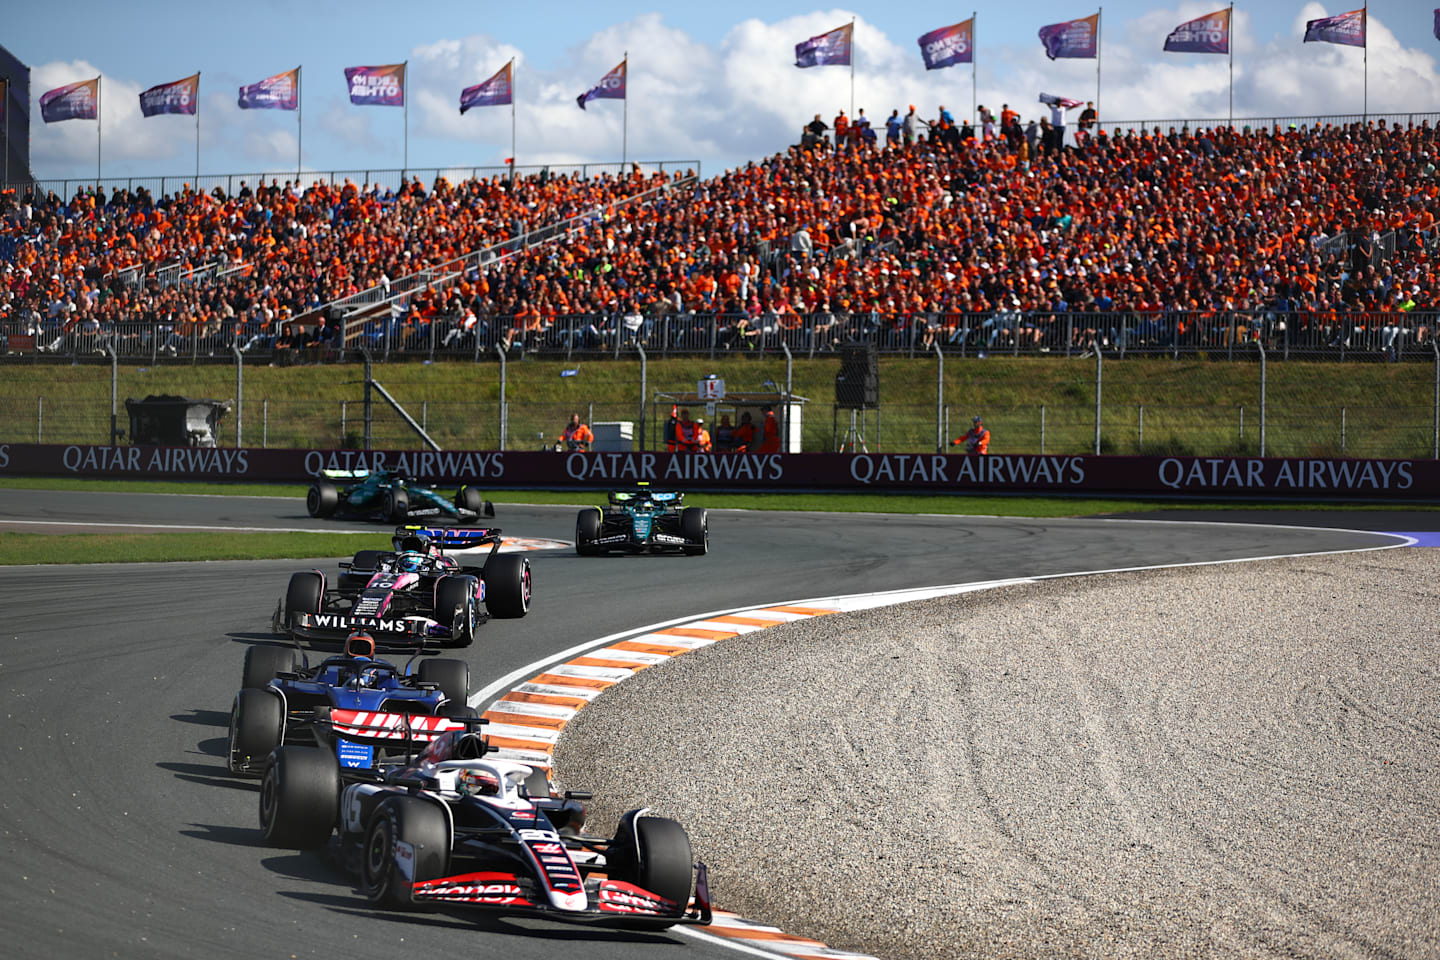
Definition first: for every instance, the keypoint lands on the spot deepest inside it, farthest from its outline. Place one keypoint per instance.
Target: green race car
(386, 495)
(643, 520)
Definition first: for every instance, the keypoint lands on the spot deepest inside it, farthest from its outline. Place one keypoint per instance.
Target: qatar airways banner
(1207, 477)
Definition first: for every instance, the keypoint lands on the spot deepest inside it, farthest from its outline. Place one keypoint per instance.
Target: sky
(710, 82)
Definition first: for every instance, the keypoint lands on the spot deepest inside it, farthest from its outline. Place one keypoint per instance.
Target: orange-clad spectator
(770, 438)
(702, 436)
(745, 433)
(576, 435)
(976, 440)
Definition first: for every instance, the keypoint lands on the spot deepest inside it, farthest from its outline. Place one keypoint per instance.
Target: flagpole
(7, 130)
(1099, 51)
(625, 118)
(405, 101)
(852, 69)
(974, 65)
(99, 123)
(1365, 26)
(514, 163)
(299, 127)
(1230, 45)
(197, 131)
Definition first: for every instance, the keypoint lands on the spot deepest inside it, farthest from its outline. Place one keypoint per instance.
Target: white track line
(515, 680)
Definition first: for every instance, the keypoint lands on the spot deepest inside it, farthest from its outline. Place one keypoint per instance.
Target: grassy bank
(1156, 406)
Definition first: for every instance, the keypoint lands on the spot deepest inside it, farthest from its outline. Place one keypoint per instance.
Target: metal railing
(385, 179)
(399, 337)
(1303, 123)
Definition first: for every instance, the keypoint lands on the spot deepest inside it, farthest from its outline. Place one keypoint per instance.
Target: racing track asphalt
(122, 834)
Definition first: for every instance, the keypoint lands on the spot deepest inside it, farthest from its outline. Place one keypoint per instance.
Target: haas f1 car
(284, 699)
(457, 829)
(386, 495)
(641, 520)
(411, 596)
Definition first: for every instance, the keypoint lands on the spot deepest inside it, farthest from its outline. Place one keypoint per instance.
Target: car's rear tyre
(507, 586)
(654, 854)
(257, 723)
(397, 505)
(305, 594)
(263, 664)
(470, 498)
(588, 523)
(299, 797)
(367, 560)
(452, 594)
(695, 528)
(322, 498)
(451, 676)
(421, 825)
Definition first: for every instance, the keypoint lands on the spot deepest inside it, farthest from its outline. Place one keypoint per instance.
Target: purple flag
(177, 97)
(280, 92)
(610, 87)
(831, 48)
(1207, 34)
(948, 45)
(74, 101)
(1073, 39)
(1437, 23)
(377, 86)
(495, 92)
(1345, 28)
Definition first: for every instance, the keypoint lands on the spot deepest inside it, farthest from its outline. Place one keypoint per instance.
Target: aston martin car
(641, 520)
(387, 495)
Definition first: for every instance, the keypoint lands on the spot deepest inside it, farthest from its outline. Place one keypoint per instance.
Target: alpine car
(411, 596)
(640, 520)
(386, 495)
(454, 828)
(283, 698)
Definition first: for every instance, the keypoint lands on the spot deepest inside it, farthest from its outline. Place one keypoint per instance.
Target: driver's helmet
(360, 646)
(411, 562)
(414, 543)
(477, 783)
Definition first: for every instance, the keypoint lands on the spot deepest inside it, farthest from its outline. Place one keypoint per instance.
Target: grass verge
(26, 548)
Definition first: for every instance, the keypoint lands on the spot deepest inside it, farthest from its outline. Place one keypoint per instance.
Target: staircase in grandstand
(359, 308)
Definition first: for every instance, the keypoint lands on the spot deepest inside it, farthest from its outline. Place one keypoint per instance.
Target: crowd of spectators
(944, 232)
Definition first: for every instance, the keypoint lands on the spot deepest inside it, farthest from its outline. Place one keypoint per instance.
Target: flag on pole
(1437, 23)
(377, 86)
(177, 97)
(1066, 102)
(495, 92)
(948, 46)
(280, 92)
(829, 49)
(74, 101)
(610, 87)
(1344, 28)
(1207, 34)
(1073, 39)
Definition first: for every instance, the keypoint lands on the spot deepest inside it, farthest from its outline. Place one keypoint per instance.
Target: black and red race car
(454, 828)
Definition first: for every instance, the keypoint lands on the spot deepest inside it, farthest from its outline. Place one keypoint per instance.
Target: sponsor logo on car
(335, 621)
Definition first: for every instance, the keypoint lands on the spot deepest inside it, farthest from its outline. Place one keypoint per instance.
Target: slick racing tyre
(322, 498)
(299, 797)
(507, 586)
(397, 505)
(455, 607)
(588, 523)
(418, 825)
(362, 568)
(257, 722)
(263, 664)
(305, 594)
(469, 498)
(451, 676)
(457, 711)
(695, 528)
(654, 854)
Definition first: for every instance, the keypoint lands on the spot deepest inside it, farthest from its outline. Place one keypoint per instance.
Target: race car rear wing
(383, 729)
(454, 538)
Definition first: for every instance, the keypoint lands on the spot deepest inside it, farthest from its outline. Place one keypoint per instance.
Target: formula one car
(411, 596)
(454, 828)
(283, 698)
(642, 519)
(386, 495)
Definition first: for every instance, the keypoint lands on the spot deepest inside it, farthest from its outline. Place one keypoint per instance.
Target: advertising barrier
(1209, 477)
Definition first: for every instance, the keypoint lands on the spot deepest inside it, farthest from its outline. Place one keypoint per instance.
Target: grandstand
(1319, 239)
